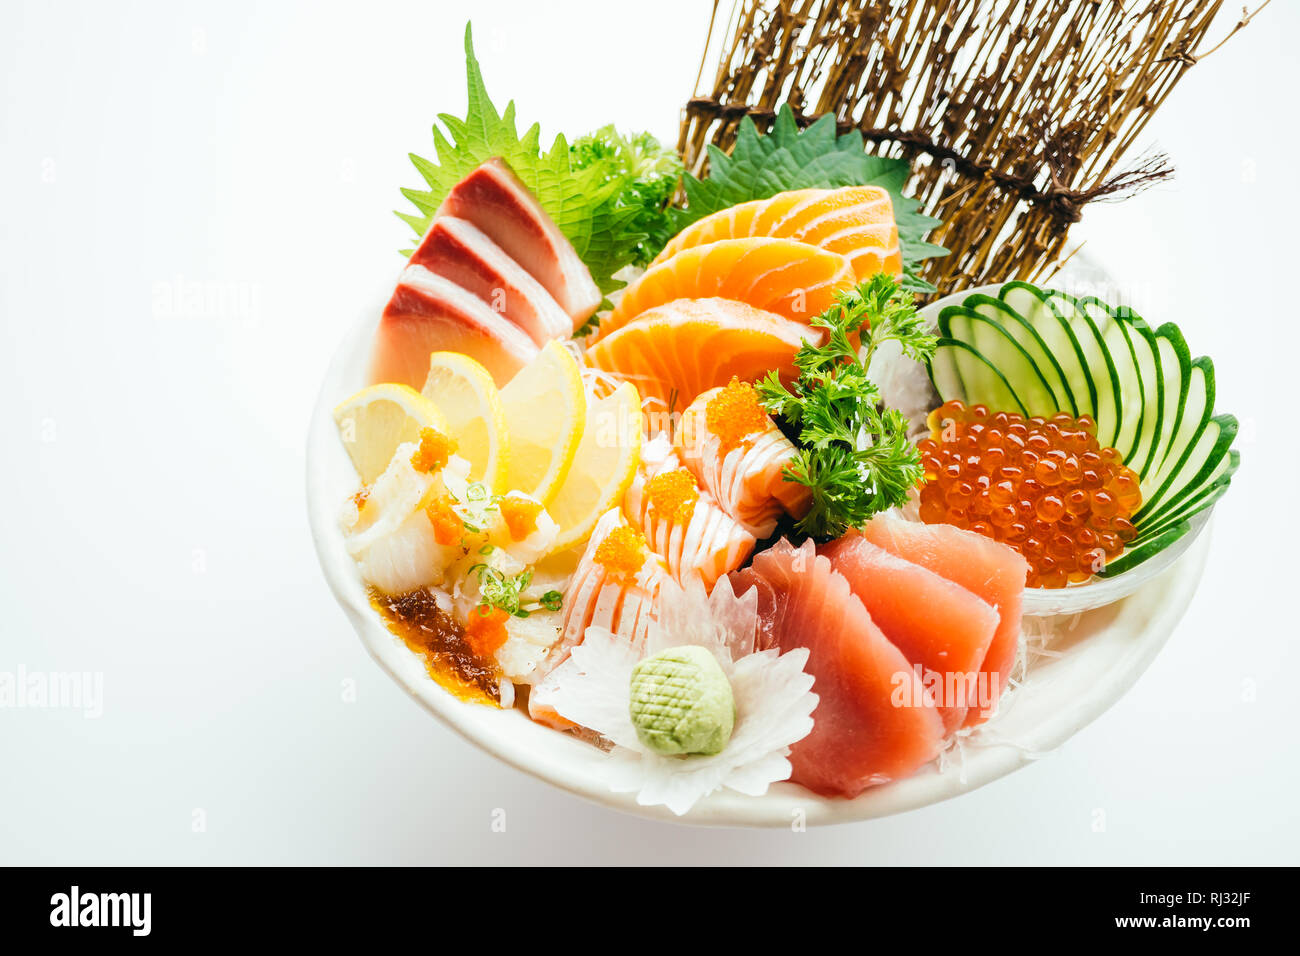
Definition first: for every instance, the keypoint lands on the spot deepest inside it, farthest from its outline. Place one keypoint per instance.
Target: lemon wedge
(603, 467)
(546, 411)
(464, 392)
(374, 421)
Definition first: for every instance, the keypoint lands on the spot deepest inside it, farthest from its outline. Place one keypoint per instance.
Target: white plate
(1105, 652)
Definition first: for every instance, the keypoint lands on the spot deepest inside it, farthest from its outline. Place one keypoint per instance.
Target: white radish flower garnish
(691, 708)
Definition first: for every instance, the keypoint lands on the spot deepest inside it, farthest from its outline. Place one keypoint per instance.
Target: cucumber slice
(1194, 502)
(1136, 555)
(944, 376)
(1152, 380)
(1204, 460)
(1130, 410)
(1048, 370)
(970, 365)
(1005, 353)
(1175, 361)
(1097, 360)
(1194, 411)
(1031, 302)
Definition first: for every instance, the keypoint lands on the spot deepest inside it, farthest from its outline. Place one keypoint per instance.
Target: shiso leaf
(762, 165)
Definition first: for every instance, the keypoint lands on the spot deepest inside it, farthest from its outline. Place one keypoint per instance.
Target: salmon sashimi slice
(428, 313)
(615, 586)
(681, 521)
(458, 250)
(742, 458)
(989, 569)
(494, 200)
(677, 350)
(937, 624)
(855, 221)
(874, 720)
(790, 278)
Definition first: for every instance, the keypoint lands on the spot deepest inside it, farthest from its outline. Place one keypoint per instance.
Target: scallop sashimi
(428, 314)
(990, 570)
(791, 278)
(677, 350)
(683, 523)
(614, 586)
(494, 200)
(937, 624)
(459, 251)
(874, 721)
(740, 455)
(855, 221)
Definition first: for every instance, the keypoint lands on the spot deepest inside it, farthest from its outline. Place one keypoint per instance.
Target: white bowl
(1105, 651)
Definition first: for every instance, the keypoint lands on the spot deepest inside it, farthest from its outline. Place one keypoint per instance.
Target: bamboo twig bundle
(1014, 113)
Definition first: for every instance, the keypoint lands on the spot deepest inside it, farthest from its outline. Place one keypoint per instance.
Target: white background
(153, 521)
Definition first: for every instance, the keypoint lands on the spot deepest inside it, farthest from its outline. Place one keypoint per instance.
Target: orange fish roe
(621, 553)
(734, 414)
(673, 494)
(359, 499)
(435, 448)
(485, 631)
(1043, 486)
(520, 516)
(448, 528)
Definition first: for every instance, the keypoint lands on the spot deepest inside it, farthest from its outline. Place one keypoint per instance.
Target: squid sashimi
(739, 455)
(990, 570)
(461, 252)
(615, 586)
(494, 200)
(874, 721)
(427, 314)
(937, 624)
(682, 522)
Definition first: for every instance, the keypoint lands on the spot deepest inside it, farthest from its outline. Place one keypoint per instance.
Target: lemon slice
(546, 411)
(603, 467)
(464, 392)
(374, 421)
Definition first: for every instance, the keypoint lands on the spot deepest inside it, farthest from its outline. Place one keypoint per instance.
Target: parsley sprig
(853, 453)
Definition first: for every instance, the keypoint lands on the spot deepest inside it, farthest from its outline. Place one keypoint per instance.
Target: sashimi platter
(677, 482)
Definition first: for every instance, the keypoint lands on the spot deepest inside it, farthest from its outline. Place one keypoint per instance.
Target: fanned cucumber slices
(1039, 351)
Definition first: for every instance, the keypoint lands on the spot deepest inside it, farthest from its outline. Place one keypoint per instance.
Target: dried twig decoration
(1015, 113)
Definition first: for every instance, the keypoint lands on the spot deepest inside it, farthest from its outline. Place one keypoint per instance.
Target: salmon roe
(673, 494)
(1044, 486)
(621, 553)
(485, 631)
(435, 448)
(520, 516)
(734, 414)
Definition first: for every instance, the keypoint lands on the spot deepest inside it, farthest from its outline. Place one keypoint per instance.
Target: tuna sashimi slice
(937, 624)
(458, 250)
(874, 721)
(494, 200)
(987, 568)
(428, 313)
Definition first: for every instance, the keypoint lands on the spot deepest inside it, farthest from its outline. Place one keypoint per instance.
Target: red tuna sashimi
(935, 623)
(428, 314)
(460, 251)
(987, 568)
(494, 200)
(874, 721)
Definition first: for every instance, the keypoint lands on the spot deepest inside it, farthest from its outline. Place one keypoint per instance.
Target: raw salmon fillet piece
(987, 568)
(459, 251)
(935, 623)
(855, 221)
(860, 738)
(747, 480)
(677, 350)
(494, 200)
(790, 278)
(428, 313)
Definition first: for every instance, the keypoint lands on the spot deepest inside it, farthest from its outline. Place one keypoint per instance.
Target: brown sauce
(436, 636)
